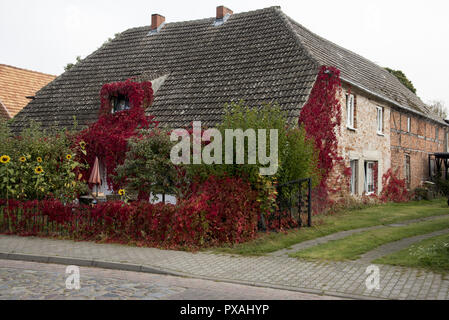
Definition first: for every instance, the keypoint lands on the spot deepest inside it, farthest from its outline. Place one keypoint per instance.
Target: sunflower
(39, 170)
(23, 159)
(69, 157)
(5, 159)
(39, 159)
(82, 145)
(121, 192)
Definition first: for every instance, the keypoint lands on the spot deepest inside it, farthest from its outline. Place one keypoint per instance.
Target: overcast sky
(409, 35)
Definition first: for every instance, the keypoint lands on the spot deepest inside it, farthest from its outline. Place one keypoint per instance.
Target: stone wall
(363, 143)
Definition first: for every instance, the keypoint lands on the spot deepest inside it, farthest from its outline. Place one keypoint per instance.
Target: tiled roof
(357, 70)
(258, 56)
(17, 84)
(253, 57)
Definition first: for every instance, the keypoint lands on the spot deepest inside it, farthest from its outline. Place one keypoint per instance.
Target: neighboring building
(259, 56)
(17, 87)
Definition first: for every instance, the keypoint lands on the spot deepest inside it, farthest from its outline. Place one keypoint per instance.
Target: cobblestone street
(35, 281)
(343, 279)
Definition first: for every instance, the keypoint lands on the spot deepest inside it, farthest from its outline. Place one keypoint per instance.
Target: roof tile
(16, 84)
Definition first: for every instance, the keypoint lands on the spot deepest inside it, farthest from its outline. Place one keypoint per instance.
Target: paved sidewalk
(343, 279)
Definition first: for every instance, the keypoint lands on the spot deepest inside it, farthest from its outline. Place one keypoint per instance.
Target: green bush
(297, 155)
(41, 164)
(443, 186)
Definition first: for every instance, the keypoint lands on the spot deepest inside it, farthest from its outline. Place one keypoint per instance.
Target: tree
(439, 108)
(71, 65)
(147, 168)
(403, 78)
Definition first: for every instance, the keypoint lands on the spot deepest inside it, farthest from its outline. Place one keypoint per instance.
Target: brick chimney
(156, 21)
(222, 11)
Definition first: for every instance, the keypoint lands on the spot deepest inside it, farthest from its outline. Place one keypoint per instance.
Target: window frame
(447, 141)
(367, 180)
(350, 111)
(408, 171)
(115, 102)
(409, 124)
(353, 185)
(380, 120)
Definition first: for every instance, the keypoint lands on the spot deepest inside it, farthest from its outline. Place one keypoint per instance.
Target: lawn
(352, 247)
(431, 254)
(345, 220)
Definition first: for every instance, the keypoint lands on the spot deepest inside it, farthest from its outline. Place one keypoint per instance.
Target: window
(370, 171)
(409, 124)
(354, 176)
(447, 141)
(380, 120)
(437, 133)
(120, 103)
(408, 174)
(350, 102)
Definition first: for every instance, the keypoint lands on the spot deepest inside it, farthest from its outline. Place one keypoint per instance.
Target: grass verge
(430, 254)
(342, 221)
(352, 247)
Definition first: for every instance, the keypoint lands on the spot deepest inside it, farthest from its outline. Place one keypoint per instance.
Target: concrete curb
(154, 270)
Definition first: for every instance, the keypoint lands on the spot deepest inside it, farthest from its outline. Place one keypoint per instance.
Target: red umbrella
(95, 175)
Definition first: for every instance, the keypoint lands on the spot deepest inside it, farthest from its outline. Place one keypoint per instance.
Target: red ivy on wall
(393, 188)
(140, 94)
(321, 118)
(107, 138)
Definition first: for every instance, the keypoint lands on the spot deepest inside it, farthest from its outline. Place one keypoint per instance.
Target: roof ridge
(288, 22)
(205, 19)
(27, 70)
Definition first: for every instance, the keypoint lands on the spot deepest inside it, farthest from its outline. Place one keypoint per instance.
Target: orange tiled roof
(16, 84)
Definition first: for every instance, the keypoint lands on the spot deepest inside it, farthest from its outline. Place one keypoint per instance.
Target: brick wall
(387, 150)
(421, 141)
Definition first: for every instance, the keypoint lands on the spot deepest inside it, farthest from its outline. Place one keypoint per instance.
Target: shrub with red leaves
(393, 188)
(219, 211)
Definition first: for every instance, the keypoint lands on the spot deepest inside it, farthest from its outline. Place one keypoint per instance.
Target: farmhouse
(261, 56)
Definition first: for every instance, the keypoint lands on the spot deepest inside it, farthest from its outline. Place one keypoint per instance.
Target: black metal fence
(295, 198)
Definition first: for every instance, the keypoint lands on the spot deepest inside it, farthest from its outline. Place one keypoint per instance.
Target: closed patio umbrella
(95, 175)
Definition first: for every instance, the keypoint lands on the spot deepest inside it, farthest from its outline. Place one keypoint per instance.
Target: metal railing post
(299, 203)
(309, 209)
